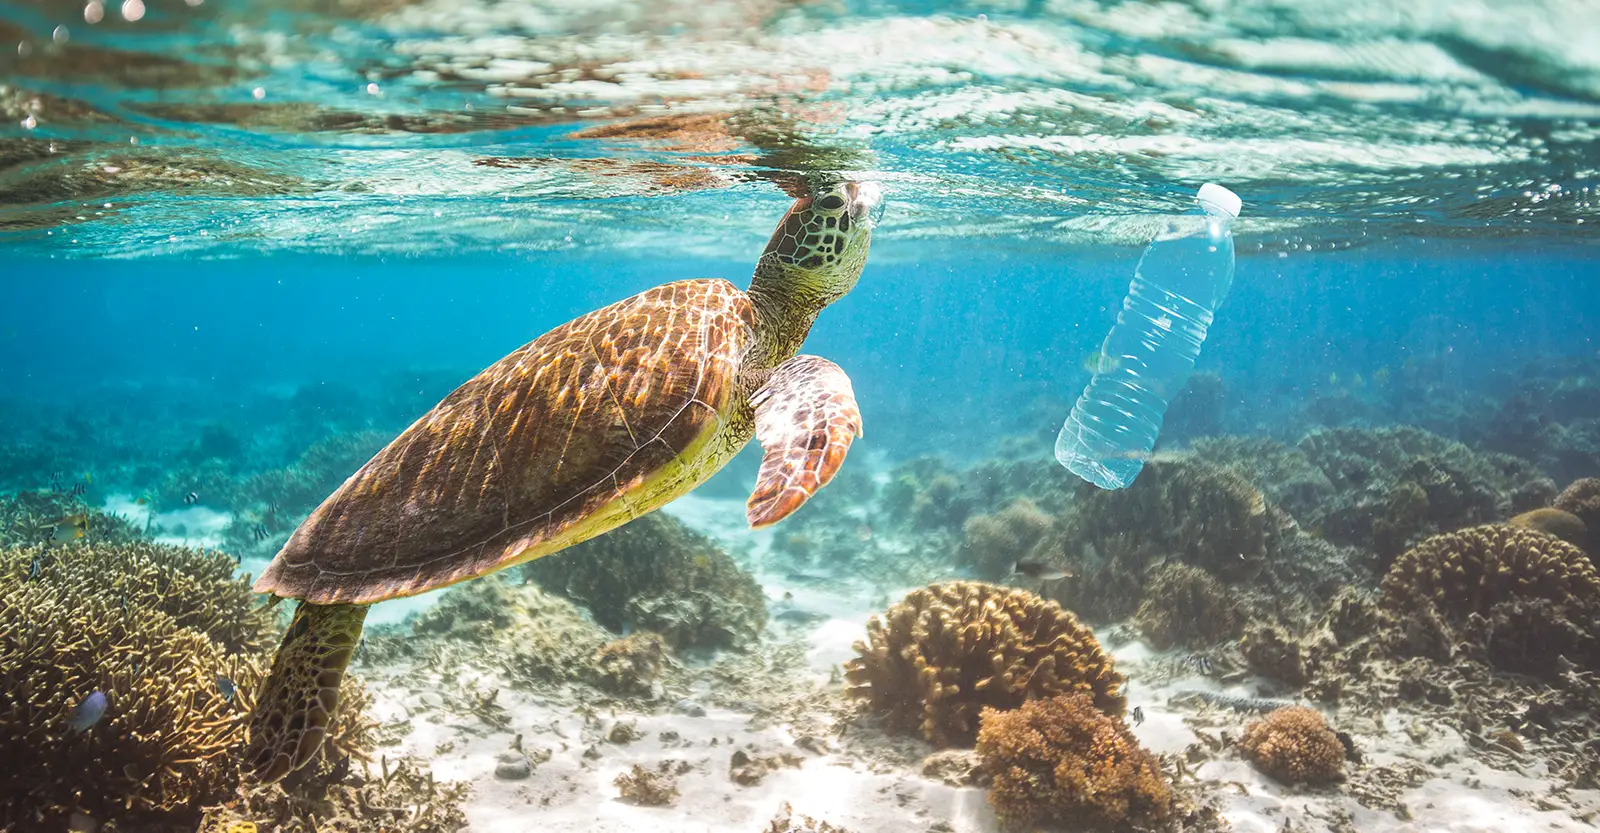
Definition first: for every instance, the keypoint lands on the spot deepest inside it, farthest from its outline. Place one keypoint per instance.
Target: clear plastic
(1149, 354)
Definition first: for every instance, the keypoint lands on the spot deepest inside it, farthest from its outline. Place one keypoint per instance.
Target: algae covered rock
(947, 651)
(992, 544)
(656, 574)
(1296, 746)
(1184, 605)
(1062, 758)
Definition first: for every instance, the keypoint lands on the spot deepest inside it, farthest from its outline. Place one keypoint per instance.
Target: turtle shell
(590, 425)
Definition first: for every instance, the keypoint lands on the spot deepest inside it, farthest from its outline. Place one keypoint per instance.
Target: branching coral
(992, 544)
(1295, 745)
(1062, 757)
(949, 650)
(1522, 597)
(658, 575)
(174, 643)
(1184, 605)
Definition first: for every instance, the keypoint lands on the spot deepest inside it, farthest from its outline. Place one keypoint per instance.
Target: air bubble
(132, 10)
(61, 34)
(258, 93)
(94, 12)
(29, 122)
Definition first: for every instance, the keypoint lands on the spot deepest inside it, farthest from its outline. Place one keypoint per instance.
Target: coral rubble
(1061, 757)
(1295, 745)
(937, 658)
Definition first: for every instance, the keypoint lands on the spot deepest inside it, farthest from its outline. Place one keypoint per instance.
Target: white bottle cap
(1221, 198)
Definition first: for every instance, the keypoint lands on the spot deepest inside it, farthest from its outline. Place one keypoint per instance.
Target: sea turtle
(597, 422)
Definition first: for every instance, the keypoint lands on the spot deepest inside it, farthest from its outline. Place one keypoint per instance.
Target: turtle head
(818, 250)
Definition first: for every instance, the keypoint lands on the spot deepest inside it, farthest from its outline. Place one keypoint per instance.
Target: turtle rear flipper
(806, 418)
(298, 700)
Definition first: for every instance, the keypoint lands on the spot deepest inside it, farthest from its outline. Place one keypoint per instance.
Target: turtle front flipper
(806, 418)
(298, 700)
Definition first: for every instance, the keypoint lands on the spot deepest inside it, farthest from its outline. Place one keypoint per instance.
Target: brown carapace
(597, 422)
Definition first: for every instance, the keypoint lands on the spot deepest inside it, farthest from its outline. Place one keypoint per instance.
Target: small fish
(261, 532)
(87, 713)
(70, 528)
(141, 501)
(78, 490)
(35, 567)
(1040, 570)
(192, 498)
(56, 482)
(1202, 663)
(1137, 715)
(226, 688)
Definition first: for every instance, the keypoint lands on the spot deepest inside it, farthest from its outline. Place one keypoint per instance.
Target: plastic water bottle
(1148, 356)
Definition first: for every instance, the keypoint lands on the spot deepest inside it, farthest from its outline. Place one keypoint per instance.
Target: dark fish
(35, 567)
(79, 490)
(261, 532)
(1203, 664)
(87, 713)
(808, 578)
(226, 688)
(57, 479)
(192, 498)
(1137, 715)
(1040, 570)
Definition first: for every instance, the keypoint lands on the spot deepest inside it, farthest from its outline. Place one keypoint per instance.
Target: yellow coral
(1063, 758)
(1295, 745)
(1556, 523)
(949, 650)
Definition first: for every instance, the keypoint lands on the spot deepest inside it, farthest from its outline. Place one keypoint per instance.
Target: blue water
(243, 244)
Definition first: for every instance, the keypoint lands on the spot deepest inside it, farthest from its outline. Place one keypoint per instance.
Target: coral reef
(945, 652)
(631, 665)
(402, 798)
(992, 544)
(1555, 523)
(32, 517)
(1295, 745)
(1184, 605)
(1582, 500)
(658, 575)
(174, 644)
(1061, 757)
(1521, 598)
(1180, 509)
(788, 821)
(1398, 485)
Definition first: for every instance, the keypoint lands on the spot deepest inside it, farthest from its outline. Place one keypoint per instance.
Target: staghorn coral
(30, 517)
(1295, 745)
(1582, 499)
(1555, 523)
(1184, 605)
(992, 544)
(153, 628)
(656, 574)
(948, 650)
(1520, 597)
(1061, 757)
(197, 588)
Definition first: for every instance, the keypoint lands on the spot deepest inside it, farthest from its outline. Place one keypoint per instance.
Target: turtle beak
(866, 202)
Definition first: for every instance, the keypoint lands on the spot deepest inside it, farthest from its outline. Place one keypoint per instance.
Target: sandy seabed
(1413, 776)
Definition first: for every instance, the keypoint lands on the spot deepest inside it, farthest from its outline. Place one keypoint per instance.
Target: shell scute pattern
(525, 455)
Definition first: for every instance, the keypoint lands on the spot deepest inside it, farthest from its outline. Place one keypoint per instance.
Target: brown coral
(1295, 745)
(1521, 597)
(1556, 523)
(1582, 499)
(151, 628)
(659, 575)
(1184, 605)
(1063, 758)
(936, 659)
(992, 544)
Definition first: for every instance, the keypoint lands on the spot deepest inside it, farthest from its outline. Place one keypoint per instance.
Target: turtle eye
(832, 202)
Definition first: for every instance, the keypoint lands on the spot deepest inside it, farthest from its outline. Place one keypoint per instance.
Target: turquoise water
(246, 244)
